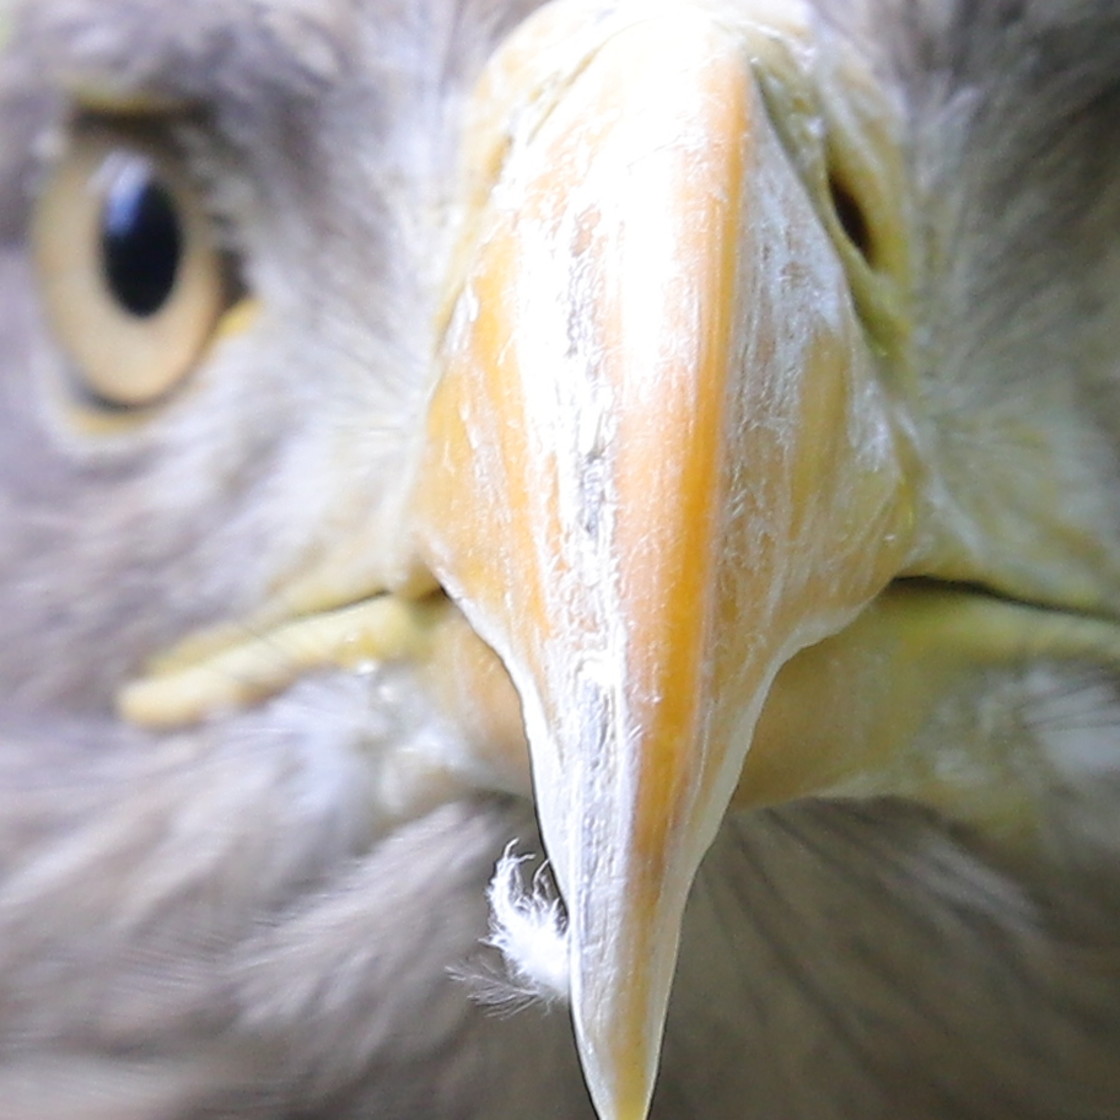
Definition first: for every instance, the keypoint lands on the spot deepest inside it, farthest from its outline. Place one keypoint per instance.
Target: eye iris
(141, 240)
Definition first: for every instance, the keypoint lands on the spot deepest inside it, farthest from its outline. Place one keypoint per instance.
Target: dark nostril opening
(851, 216)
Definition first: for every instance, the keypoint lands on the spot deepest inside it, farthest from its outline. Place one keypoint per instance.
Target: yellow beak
(658, 463)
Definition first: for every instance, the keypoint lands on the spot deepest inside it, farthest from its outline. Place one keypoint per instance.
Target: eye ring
(131, 276)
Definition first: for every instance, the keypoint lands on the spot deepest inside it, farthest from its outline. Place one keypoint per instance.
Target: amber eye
(129, 268)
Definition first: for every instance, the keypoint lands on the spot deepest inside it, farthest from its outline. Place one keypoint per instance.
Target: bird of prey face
(687, 427)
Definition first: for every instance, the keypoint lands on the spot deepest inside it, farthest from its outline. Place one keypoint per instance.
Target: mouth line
(242, 665)
(977, 589)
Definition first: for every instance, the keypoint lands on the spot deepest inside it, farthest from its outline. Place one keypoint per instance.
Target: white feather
(529, 927)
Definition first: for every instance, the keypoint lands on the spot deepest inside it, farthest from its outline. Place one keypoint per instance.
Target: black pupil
(141, 241)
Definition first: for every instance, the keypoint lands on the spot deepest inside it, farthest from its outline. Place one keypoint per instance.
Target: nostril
(852, 218)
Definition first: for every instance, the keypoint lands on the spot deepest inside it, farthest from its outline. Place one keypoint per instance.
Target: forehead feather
(198, 51)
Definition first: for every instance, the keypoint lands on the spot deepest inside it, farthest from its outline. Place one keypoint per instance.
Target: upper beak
(658, 462)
